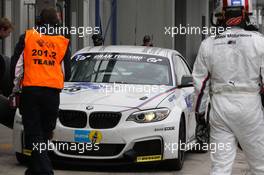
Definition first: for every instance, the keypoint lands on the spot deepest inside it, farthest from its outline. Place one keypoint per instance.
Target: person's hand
(200, 118)
(16, 90)
(14, 100)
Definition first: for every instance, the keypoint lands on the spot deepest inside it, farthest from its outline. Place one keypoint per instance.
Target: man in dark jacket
(6, 117)
(5, 30)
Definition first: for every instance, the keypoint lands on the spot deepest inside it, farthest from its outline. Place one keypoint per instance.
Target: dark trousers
(39, 108)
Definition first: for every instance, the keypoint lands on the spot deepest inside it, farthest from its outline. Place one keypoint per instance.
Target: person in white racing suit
(228, 71)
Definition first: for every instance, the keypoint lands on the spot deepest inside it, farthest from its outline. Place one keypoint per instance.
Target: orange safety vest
(43, 55)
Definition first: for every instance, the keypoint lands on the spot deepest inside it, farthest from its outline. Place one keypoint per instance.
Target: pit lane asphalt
(195, 164)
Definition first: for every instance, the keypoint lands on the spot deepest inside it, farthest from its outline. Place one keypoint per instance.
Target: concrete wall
(20, 14)
(105, 14)
(83, 14)
(139, 17)
(196, 10)
(136, 18)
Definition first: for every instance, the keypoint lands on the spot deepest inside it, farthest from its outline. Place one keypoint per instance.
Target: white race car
(123, 104)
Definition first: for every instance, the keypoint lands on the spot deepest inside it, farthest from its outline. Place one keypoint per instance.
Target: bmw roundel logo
(89, 107)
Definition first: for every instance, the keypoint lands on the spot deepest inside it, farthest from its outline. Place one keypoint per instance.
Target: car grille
(103, 149)
(104, 120)
(73, 119)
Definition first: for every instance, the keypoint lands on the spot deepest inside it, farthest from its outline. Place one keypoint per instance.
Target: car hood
(119, 95)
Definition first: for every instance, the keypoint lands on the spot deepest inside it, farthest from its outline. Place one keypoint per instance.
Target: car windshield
(121, 68)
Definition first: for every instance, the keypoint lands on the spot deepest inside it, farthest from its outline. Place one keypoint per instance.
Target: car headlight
(149, 116)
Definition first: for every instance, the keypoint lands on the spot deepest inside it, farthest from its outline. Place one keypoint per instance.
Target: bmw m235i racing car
(123, 104)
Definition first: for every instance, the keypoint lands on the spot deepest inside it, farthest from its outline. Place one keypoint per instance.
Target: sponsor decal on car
(149, 158)
(171, 128)
(81, 136)
(120, 57)
(82, 57)
(189, 101)
(173, 97)
(86, 136)
(95, 136)
(153, 60)
(78, 87)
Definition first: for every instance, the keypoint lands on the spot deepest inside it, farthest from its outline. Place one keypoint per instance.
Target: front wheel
(177, 164)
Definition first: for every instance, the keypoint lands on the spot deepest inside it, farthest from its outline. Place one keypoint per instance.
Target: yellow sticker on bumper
(27, 152)
(95, 136)
(148, 158)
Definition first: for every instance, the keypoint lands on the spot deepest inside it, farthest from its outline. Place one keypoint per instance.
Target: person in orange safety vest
(40, 65)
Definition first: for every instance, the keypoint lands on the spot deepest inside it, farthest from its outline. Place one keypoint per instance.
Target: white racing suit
(228, 71)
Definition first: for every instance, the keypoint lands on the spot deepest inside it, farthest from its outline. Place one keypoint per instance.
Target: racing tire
(22, 159)
(177, 164)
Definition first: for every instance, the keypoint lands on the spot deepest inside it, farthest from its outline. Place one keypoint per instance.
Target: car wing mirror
(186, 81)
